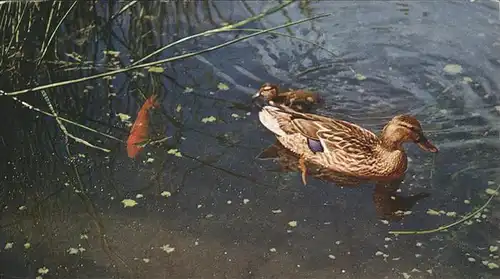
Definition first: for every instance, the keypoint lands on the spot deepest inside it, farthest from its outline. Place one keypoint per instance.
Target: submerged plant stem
(170, 59)
(216, 30)
(442, 228)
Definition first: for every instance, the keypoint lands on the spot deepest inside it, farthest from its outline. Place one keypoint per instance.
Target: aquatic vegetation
(209, 119)
(128, 203)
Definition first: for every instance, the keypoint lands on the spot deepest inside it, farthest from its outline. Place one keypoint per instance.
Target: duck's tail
(269, 116)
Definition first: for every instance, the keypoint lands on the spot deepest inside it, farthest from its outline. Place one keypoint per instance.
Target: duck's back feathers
(334, 134)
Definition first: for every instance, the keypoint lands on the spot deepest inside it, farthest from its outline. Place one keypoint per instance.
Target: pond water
(215, 210)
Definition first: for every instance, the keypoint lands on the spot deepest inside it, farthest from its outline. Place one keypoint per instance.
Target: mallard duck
(299, 100)
(344, 147)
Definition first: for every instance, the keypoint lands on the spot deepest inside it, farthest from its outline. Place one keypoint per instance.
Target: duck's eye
(412, 128)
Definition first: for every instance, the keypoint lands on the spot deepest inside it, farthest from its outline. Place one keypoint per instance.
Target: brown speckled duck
(344, 147)
(299, 100)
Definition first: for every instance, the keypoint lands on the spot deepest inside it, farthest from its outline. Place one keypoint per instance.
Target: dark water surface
(228, 215)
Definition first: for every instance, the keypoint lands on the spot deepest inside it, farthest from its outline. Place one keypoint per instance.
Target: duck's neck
(391, 161)
(389, 145)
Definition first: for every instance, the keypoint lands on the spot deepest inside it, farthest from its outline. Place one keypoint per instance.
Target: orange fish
(140, 130)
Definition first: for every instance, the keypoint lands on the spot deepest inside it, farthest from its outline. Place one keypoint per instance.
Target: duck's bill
(426, 145)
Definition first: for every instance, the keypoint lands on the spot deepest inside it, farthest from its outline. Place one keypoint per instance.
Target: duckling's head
(405, 128)
(268, 91)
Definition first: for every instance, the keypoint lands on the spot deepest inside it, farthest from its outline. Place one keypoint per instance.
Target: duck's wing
(333, 134)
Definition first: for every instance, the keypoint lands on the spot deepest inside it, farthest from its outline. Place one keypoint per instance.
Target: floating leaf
(472, 260)
(22, 207)
(379, 253)
(467, 80)
(433, 212)
(167, 248)
(222, 86)
(8, 245)
(332, 257)
(129, 203)
(188, 90)
(245, 201)
(451, 214)
(84, 236)
(452, 69)
(156, 69)
(138, 196)
(234, 115)
(27, 245)
(208, 119)
(292, 224)
(43, 270)
(146, 260)
(166, 194)
(467, 201)
(123, 117)
(276, 211)
(272, 250)
(150, 160)
(493, 249)
(178, 108)
(360, 76)
(492, 265)
(491, 192)
(406, 275)
(72, 251)
(175, 152)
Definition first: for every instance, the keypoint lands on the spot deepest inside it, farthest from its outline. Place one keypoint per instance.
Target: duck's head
(405, 128)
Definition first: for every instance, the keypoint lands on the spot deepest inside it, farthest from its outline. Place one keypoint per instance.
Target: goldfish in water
(140, 130)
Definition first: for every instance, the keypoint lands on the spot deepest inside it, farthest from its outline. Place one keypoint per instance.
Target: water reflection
(388, 203)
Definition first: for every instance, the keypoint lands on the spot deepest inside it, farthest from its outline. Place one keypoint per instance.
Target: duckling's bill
(258, 100)
(256, 95)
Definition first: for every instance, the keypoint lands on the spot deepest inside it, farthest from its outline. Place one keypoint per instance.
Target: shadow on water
(204, 207)
(388, 204)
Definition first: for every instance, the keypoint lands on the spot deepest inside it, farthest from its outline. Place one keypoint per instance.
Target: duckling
(299, 100)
